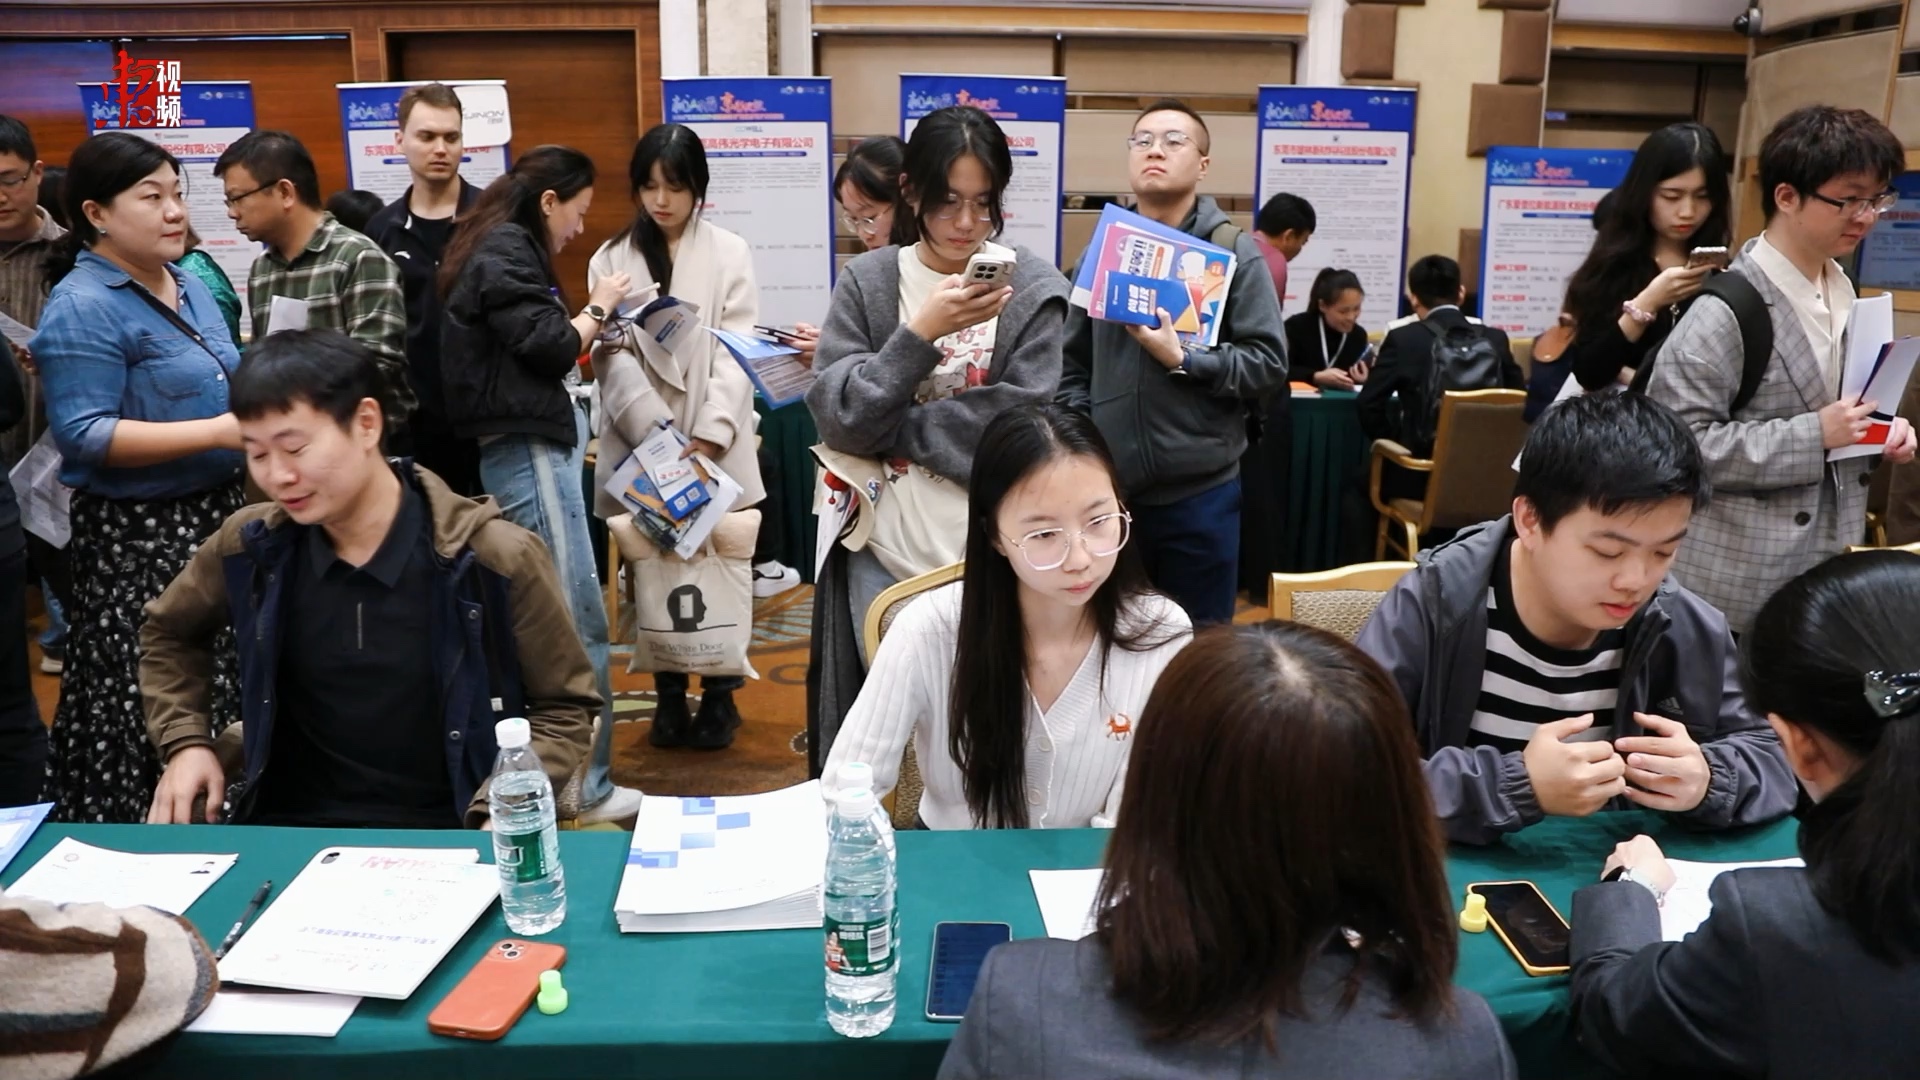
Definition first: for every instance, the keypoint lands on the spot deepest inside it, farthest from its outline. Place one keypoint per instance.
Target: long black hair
(943, 137)
(1806, 660)
(100, 169)
(873, 168)
(1620, 263)
(514, 199)
(683, 162)
(1328, 284)
(987, 721)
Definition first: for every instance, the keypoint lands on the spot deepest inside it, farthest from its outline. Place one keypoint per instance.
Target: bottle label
(525, 855)
(860, 948)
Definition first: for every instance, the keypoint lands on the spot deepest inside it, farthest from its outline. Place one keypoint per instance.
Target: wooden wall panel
(545, 71)
(866, 70)
(40, 89)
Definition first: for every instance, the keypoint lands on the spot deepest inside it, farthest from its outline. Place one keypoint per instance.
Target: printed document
(77, 873)
(1687, 904)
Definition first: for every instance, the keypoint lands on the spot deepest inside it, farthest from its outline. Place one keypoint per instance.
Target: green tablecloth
(788, 434)
(1329, 453)
(751, 1004)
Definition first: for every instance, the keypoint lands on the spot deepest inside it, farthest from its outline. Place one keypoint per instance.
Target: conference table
(751, 1005)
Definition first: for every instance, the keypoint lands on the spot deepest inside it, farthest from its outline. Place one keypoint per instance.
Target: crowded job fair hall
(1307, 539)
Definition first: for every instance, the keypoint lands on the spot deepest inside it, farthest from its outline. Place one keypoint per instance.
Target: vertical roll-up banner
(1032, 112)
(1348, 150)
(1890, 255)
(769, 144)
(1537, 228)
(213, 116)
(371, 114)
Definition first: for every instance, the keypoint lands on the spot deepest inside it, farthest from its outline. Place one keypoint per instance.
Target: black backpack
(1756, 335)
(1461, 358)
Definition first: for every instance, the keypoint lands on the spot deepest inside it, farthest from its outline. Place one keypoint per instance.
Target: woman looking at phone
(864, 187)
(1326, 345)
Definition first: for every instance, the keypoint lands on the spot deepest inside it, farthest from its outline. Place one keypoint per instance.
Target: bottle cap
(1473, 918)
(553, 996)
(856, 802)
(855, 774)
(512, 732)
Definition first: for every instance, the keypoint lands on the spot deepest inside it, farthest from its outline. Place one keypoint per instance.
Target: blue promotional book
(1136, 267)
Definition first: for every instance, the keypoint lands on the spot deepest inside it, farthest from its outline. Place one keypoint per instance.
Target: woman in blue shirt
(134, 359)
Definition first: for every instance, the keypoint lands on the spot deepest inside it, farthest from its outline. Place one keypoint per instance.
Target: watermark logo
(143, 94)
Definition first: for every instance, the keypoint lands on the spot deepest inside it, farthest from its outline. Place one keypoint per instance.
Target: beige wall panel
(1850, 72)
(1131, 65)
(866, 70)
(1097, 152)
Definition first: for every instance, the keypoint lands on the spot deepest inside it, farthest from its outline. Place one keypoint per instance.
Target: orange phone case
(496, 992)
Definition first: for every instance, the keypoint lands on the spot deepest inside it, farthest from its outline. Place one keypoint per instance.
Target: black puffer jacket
(507, 343)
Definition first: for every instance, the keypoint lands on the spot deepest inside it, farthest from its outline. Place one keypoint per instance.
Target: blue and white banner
(1348, 150)
(1537, 228)
(370, 113)
(1890, 255)
(769, 145)
(213, 116)
(1032, 112)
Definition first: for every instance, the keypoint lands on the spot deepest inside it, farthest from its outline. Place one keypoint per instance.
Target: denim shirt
(104, 354)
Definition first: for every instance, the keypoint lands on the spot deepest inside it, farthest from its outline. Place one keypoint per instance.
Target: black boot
(671, 720)
(718, 719)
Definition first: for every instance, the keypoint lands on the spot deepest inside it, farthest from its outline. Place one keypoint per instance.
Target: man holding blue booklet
(1176, 411)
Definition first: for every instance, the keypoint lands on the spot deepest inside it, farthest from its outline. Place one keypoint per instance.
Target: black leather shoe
(671, 720)
(718, 719)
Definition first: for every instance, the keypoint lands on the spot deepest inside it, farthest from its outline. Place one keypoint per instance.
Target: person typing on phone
(1551, 665)
(1326, 345)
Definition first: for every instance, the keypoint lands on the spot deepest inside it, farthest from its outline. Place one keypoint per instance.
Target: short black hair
(15, 139)
(324, 368)
(1167, 104)
(1811, 146)
(1609, 452)
(273, 156)
(1434, 280)
(354, 208)
(1286, 212)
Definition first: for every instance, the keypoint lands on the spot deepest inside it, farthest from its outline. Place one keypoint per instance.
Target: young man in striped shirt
(1550, 665)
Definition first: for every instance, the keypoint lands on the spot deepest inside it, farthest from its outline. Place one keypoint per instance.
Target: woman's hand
(955, 305)
(1358, 372)
(1673, 285)
(610, 290)
(806, 338)
(711, 450)
(1333, 378)
(1644, 857)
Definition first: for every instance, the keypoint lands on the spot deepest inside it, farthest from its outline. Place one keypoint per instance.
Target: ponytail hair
(1837, 650)
(1329, 283)
(99, 170)
(514, 199)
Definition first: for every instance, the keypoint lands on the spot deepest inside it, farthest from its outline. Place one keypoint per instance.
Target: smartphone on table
(984, 269)
(492, 997)
(959, 948)
(1535, 933)
(1715, 257)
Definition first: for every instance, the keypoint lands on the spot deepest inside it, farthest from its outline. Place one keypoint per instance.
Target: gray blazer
(1778, 507)
(1770, 985)
(1042, 1010)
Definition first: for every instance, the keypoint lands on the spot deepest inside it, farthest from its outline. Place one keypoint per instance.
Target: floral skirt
(101, 767)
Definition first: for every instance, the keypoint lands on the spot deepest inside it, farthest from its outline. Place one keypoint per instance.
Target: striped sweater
(83, 986)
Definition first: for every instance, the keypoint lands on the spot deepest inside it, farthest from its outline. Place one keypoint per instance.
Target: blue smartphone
(959, 948)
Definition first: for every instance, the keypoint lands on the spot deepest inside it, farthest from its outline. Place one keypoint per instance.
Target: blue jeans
(536, 481)
(1192, 551)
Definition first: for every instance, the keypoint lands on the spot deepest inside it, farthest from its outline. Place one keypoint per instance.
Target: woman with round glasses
(864, 187)
(1020, 684)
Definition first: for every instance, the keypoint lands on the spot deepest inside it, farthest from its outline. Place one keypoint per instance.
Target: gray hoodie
(1430, 633)
(1179, 434)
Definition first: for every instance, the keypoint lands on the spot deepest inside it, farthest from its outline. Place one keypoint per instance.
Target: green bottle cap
(553, 996)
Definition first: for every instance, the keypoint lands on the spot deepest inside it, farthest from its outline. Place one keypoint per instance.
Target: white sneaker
(772, 579)
(52, 665)
(619, 806)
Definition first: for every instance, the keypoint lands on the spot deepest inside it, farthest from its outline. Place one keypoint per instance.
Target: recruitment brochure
(728, 862)
(1136, 267)
(633, 484)
(778, 373)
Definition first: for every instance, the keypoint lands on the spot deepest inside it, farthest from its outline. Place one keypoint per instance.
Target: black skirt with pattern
(101, 767)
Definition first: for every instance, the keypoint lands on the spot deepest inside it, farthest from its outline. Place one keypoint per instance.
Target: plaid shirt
(350, 285)
(23, 277)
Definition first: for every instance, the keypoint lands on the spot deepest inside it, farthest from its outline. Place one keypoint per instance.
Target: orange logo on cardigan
(1119, 726)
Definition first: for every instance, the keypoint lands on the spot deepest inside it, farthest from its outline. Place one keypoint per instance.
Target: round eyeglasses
(1048, 549)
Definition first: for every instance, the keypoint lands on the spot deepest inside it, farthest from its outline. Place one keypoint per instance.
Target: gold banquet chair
(1469, 477)
(904, 803)
(1339, 601)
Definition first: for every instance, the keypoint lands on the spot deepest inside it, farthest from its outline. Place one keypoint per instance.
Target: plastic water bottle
(862, 920)
(526, 842)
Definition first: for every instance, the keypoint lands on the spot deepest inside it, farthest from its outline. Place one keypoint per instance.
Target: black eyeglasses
(234, 200)
(1861, 206)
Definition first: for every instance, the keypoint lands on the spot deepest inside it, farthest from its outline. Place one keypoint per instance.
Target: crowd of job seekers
(1665, 622)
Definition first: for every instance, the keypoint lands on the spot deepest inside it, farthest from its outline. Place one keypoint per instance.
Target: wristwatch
(594, 312)
(1625, 873)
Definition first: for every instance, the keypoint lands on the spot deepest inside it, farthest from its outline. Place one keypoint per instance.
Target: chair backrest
(905, 799)
(1339, 601)
(1479, 435)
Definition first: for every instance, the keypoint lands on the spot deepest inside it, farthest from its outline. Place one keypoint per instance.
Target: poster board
(1536, 229)
(1032, 112)
(370, 113)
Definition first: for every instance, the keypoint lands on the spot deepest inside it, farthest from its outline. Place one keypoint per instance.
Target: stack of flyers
(633, 484)
(775, 367)
(1136, 267)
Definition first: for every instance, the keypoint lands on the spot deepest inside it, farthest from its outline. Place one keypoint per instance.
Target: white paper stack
(728, 862)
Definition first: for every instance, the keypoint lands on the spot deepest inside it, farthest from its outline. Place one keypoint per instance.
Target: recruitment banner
(213, 116)
(1537, 229)
(1032, 112)
(1890, 255)
(1348, 150)
(371, 115)
(769, 144)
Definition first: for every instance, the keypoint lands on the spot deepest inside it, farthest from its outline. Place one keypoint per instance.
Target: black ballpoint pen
(252, 909)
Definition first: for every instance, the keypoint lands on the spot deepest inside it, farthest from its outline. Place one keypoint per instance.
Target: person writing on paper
(674, 251)
(1798, 974)
(1275, 903)
(134, 360)
(865, 187)
(508, 353)
(89, 986)
(1781, 506)
(388, 624)
(1550, 665)
(1020, 684)
(1326, 345)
